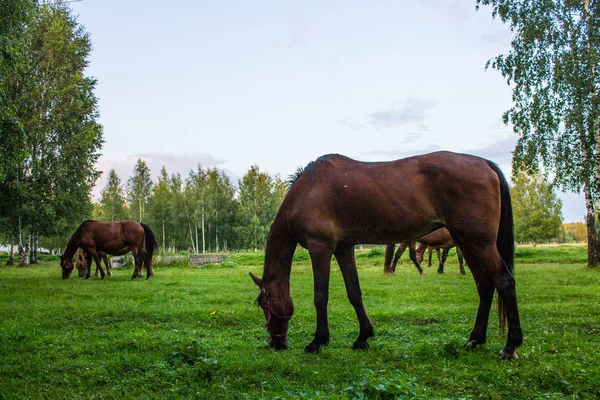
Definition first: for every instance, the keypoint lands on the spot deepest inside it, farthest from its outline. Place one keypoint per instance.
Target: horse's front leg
(347, 262)
(321, 264)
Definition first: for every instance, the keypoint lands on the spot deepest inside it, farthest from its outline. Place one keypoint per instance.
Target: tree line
(203, 212)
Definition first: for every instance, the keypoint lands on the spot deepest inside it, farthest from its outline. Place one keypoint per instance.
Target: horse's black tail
(151, 245)
(506, 239)
(389, 254)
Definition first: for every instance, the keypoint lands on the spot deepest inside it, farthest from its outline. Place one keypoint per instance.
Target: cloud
(413, 111)
(498, 150)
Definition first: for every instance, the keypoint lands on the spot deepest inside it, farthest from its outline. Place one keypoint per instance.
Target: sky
(276, 84)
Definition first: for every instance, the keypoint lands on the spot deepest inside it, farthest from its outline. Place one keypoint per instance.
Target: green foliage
(536, 209)
(51, 118)
(139, 189)
(301, 255)
(15, 16)
(552, 69)
(575, 232)
(196, 333)
(112, 200)
(259, 198)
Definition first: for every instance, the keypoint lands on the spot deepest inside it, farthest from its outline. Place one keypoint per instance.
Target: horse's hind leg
(147, 262)
(137, 261)
(321, 264)
(489, 273)
(107, 264)
(97, 260)
(347, 262)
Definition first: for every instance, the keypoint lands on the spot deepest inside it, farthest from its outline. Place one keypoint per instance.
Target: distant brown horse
(441, 258)
(83, 259)
(338, 202)
(440, 238)
(114, 238)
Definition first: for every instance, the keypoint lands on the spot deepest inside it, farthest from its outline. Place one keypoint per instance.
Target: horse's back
(374, 202)
(108, 236)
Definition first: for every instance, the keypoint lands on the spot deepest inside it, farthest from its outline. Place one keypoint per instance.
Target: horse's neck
(72, 247)
(278, 257)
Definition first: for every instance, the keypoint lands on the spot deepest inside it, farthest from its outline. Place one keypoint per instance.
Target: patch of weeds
(376, 252)
(301, 255)
(191, 352)
(377, 385)
(452, 349)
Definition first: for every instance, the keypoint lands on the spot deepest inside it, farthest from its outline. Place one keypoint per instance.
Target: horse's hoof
(507, 355)
(312, 347)
(360, 345)
(440, 272)
(472, 344)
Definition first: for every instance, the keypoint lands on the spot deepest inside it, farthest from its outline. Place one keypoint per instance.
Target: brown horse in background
(114, 238)
(83, 259)
(440, 238)
(337, 202)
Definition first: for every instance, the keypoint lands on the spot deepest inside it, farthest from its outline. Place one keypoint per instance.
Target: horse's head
(420, 255)
(67, 266)
(278, 307)
(80, 263)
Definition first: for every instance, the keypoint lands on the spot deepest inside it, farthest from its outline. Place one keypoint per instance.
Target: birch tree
(139, 189)
(57, 111)
(552, 69)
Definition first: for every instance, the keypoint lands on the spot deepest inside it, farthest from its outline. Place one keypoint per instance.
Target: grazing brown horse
(83, 259)
(114, 238)
(442, 259)
(440, 238)
(338, 202)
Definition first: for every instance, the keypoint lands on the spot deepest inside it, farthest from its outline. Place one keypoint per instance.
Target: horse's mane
(78, 230)
(294, 177)
(309, 169)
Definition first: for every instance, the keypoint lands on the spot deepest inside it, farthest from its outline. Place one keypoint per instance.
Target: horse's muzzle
(278, 342)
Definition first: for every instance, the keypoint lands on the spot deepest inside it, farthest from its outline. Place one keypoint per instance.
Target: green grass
(195, 333)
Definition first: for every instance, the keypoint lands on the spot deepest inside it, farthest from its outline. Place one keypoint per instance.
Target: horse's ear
(256, 279)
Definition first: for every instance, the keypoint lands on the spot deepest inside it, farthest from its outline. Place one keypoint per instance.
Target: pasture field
(196, 333)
